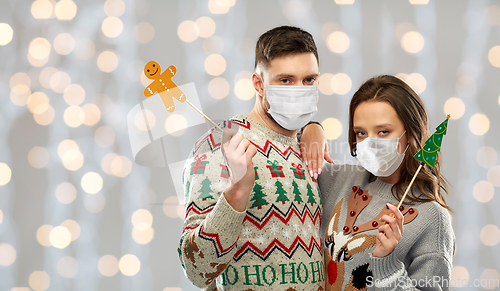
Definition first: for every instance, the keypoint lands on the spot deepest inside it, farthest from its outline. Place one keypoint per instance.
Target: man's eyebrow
(313, 75)
(284, 75)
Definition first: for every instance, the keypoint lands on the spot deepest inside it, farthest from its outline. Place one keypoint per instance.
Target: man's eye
(285, 81)
(310, 80)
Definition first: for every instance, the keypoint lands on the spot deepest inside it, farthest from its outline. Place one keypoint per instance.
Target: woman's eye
(383, 132)
(360, 134)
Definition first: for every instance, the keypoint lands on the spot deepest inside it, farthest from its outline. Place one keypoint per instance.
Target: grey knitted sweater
(422, 260)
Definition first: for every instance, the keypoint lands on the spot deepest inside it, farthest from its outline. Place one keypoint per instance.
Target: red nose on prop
(332, 272)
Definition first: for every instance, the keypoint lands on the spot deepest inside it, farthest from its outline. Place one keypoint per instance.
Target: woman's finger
(397, 215)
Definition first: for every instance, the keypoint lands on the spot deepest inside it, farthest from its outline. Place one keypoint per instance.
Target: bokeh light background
(76, 212)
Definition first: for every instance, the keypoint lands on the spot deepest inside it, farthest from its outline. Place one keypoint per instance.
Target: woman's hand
(314, 148)
(389, 233)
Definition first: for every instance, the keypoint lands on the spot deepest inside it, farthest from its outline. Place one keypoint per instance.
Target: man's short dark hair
(281, 41)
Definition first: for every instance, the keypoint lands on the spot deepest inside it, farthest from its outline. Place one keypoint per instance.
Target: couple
(255, 216)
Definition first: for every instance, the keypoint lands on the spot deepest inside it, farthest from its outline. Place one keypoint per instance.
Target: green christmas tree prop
(310, 194)
(297, 193)
(257, 198)
(428, 153)
(281, 192)
(205, 190)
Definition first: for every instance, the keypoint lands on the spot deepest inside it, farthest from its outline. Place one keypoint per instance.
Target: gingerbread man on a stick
(163, 84)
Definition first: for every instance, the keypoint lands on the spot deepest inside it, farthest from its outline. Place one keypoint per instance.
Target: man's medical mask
(292, 107)
(380, 156)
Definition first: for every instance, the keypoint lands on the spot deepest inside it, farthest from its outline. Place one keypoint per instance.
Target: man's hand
(314, 148)
(238, 152)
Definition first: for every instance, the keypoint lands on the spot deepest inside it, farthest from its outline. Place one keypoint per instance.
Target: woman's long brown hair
(413, 114)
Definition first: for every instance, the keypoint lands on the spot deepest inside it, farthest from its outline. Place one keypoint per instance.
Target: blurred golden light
(39, 280)
(20, 79)
(39, 52)
(108, 265)
(65, 10)
(20, 289)
(121, 166)
(218, 6)
(490, 278)
(35, 99)
(64, 44)
(5, 174)
(74, 116)
(1, 216)
(85, 49)
(344, 2)
(112, 26)
(333, 128)
(60, 237)
(412, 42)
(92, 114)
(337, 42)
(176, 124)
(73, 227)
(325, 86)
(479, 124)
(171, 207)
(486, 157)
(6, 34)
(419, 2)
(107, 61)
(67, 267)
(188, 31)
(104, 136)
(106, 163)
(417, 82)
(66, 193)
(43, 114)
(492, 14)
(142, 219)
(213, 45)
(72, 159)
(215, 64)
(129, 265)
(403, 28)
(144, 32)
(7, 254)
(455, 107)
(91, 182)
(466, 86)
(42, 9)
(166, 289)
(494, 176)
(483, 191)
(42, 235)
(114, 7)
(223, 3)
(143, 236)
(206, 26)
(140, 122)
(218, 88)
(94, 203)
(459, 274)
(45, 76)
(19, 95)
(494, 56)
(65, 145)
(74, 94)
(490, 235)
(341, 83)
(244, 89)
(59, 81)
(38, 157)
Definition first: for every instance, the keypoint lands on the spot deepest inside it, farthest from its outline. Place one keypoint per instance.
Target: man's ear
(257, 84)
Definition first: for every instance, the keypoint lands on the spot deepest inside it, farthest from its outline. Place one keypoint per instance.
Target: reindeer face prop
(345, 244)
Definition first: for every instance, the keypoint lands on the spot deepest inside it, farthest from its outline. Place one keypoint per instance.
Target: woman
(362, 229)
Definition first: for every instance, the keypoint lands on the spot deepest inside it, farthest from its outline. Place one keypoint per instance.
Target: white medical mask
(292, 107)
(380, 156)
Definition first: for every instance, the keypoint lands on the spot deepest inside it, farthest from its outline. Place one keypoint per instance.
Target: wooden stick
(206, 117)
(409, 186)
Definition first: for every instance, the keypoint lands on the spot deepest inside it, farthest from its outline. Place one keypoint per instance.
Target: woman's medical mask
(380, 156)
(292, 107)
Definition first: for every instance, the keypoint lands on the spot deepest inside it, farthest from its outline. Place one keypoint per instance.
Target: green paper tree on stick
(428, 154)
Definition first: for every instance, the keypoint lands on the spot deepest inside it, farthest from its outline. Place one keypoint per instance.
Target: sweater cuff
(387, 269)
(223, 219)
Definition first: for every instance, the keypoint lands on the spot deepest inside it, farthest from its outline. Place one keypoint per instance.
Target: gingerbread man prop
(163, 84)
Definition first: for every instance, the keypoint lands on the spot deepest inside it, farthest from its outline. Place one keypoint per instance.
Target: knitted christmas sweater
(422, 260)
(274, 244)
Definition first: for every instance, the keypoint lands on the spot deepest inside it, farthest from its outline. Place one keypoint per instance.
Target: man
(255, 225)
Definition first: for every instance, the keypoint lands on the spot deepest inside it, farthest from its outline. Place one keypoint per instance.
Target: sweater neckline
(269, 134)
(381, 189)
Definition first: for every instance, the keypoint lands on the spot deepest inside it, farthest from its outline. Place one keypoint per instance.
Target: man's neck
(267, 121)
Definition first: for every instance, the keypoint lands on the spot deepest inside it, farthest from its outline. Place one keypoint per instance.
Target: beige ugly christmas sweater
(273, 245)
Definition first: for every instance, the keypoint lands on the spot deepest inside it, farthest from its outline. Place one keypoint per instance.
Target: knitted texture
(422, 258)
(274, 244)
